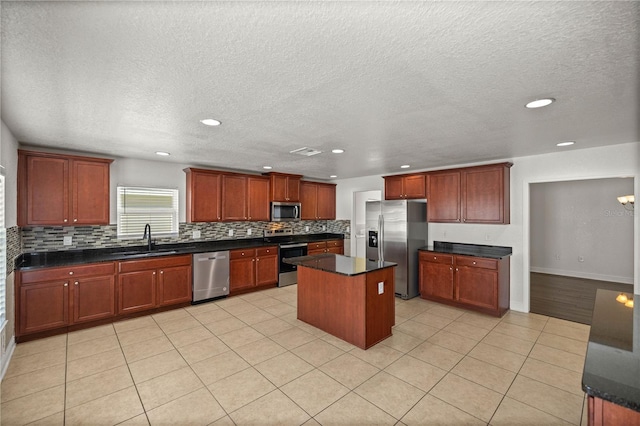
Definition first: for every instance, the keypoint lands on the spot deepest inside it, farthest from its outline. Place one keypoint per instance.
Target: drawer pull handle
(474, 263)
(70, 272)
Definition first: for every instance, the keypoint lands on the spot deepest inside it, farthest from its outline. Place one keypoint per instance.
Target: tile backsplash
(50, 238)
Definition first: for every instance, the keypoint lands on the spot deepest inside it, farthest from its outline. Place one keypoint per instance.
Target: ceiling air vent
(307, 152)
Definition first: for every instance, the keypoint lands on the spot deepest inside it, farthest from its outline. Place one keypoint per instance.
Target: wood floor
(568, 298)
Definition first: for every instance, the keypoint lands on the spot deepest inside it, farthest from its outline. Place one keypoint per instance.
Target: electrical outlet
(231, 232)
(381, 287)
(580, 258)
(557, 256)
(487, 237)
(444, 234)
(348, 229)
(249, 231)
(67, 240)
(196, 234)
(324, 227)
(306, 229)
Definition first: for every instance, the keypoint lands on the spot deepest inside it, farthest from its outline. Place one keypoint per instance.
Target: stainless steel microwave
(284, 211)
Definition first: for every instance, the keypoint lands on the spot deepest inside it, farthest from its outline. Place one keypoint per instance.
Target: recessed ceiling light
(567, 143)
(163, 153)
(267, 167)
(539, 103)
(210, 122)
(333, 176)
(337, 151)
(405, 166)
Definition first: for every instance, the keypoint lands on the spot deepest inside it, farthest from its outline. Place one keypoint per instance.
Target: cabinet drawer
(477, 262)
(158, 263)
(429, 256)
(240, 254)
(316, 246)
(335, 243)
(267, 251)
(52, 274)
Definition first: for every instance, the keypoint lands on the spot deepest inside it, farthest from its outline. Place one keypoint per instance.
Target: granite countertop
(612, 365)
(476, 250)
(339, 264)
(75, 257)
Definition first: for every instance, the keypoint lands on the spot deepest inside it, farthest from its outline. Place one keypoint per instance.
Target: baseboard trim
(6, 358)
(585, 275)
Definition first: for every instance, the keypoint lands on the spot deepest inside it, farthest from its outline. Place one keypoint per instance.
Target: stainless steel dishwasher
(210, 275)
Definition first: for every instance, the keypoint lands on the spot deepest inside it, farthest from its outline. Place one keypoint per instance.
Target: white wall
(9, 160)
(152, 174)
(573, 164)
(579, 229)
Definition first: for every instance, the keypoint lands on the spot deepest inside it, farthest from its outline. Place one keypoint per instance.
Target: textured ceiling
(429, 84)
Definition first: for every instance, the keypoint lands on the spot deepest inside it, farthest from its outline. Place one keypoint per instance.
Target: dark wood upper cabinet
(443, 202)
(234, 197)
(203, 195)
(258, 199)
(284, 187)
(471, 195)
(55, 189)
(405, 187)
(318, 201)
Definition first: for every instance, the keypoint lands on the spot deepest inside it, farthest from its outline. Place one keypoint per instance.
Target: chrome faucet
(147, 234)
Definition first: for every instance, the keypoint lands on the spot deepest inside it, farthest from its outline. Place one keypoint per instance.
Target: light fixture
(163, 153)
(267, 167)
(539, 103)
(333, 176)
(627, 200)
(337, 151)
(405, 166)
(567, 143)
(210, 122)
(626, 301)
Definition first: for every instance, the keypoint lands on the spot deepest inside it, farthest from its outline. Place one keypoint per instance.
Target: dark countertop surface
(612, 365)
(339, 264)
(49, 259)
(477, 250)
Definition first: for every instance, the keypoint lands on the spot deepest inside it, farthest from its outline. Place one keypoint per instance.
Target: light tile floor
(248, 360)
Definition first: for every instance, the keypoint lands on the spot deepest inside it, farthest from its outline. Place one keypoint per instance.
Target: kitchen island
(351, 298)
(611, 376)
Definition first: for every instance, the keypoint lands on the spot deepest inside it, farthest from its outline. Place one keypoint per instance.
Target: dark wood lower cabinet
(252, 269)
(477, 283)
(605, 413)
(55, 300)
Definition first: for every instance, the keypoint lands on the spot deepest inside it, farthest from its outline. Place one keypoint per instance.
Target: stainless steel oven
(288, 274)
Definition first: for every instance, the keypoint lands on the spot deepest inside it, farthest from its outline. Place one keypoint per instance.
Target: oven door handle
(294, 245)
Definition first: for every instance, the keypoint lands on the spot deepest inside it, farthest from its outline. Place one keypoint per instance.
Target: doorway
(581, 240)
(360, 199)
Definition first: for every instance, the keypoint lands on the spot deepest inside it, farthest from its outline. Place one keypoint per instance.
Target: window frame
(143, 214)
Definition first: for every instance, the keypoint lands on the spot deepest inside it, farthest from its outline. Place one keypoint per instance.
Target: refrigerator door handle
(381, 238)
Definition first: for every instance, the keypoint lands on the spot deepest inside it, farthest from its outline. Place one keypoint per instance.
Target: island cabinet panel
(605, 413)
(348, 307)
(252, 269)
(477, 283)
(436, 272)
(258, 199)
(56, 189)
(405, 187)
(284, 187)
(234, 198)
(53, 298)
(203, 195)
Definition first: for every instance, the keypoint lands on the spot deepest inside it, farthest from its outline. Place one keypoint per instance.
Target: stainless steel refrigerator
(396, 229)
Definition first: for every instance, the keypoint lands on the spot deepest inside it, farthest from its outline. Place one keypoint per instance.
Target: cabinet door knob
(65, 221)
(76, 283)
(249, 217)
(435, 258)
(70, 272)
(474, 263)
(162, 272)
(75, 220)
(456, 269)
(66, 284)
(154, 272)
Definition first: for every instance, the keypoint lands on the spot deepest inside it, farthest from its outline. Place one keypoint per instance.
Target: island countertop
(612, 365)
(339, 264)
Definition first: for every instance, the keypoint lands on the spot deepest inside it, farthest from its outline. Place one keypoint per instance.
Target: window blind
(138, 206)
(3, 257)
